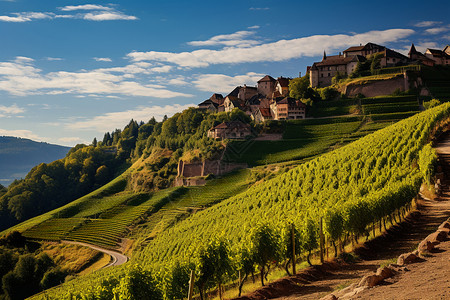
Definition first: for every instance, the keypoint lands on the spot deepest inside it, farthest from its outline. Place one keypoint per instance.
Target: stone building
(419, 58)
(230, 130)
(321, 73)
(266, 86)
(288, 109)
(260, 115)
(440, 57)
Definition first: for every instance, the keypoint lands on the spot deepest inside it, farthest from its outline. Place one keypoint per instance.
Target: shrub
(432, 103)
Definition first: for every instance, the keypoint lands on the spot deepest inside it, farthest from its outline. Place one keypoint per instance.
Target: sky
(73, 70)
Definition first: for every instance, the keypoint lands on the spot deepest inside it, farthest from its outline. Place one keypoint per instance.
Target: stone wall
(215, 167)
(378, 88)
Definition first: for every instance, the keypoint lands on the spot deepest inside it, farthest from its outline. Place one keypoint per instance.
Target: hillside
(18, 156)
(139, 211)
(165, 238)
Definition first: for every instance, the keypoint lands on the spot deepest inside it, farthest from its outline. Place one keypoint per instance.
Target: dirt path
(117, 258)
(427, 280)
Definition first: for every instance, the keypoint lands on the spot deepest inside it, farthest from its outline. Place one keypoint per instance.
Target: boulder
(433, 239)
(370, 280)
(439, 235)
(407, 258)
(397, 268)
(329, 297)
(425, 246)
(385, 272)
(446, 224)
(345, 291)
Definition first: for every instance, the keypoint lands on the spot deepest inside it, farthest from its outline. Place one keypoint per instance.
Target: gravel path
(117, 258)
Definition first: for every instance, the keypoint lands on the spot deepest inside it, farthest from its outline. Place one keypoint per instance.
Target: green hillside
(18, 156)
(332, 127)
(350, 187)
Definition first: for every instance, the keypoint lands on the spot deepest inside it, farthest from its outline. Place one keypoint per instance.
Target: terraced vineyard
(351, 188)
(112, 223)
(307, 138)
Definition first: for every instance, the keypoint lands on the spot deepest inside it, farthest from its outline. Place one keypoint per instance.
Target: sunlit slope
(358, 183)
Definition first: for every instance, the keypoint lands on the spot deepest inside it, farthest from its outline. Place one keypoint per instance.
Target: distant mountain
(18, 156)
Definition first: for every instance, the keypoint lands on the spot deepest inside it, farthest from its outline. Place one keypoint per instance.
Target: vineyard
(350, 189)
(307, 138)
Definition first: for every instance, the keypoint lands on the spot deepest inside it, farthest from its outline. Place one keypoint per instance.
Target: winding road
(117, 258)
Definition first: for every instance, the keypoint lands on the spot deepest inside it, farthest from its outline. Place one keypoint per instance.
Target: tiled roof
(266, 78)
(438, 53)
(339, 60)
(234, 92)
(395, 54)
(208, 102)
(265, 112)
(284, 82)
(291, 101)
(232, 125)
(355, 48)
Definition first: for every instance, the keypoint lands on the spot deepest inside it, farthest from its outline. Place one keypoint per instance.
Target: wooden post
(321, 240)
(293, 249)
(191, 285)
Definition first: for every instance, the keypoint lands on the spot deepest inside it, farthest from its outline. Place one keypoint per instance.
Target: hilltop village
(271, 99)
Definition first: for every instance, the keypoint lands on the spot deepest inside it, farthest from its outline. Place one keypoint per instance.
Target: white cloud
(27, 16)
(236, 39)
(109, 121)
(54, 58)
(85, 7)
(26, 134)
(259, 8)
(427, 23)
(13, 19)
(254, 27)
(277, 51)
(71, 140)
(107, 16)
(103, 59)
(10, 110)
(224, 84)
(180, 80)
(421, 47)
(21, 79)
(96, 13)
(437, 30)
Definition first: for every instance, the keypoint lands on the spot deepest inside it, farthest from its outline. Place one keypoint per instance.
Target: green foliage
(427, 162)
(299, 88)
(432, 103)
(338, 77)
(138, 284)
(214, 265)
(266, 247)
(328, 93)
(25, 274)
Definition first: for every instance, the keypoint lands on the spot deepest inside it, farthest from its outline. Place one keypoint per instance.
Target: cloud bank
(276, 51)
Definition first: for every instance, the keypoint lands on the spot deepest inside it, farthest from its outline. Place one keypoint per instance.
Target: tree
(311, 238)
(94, 142)
(177, 282)
(334, 224)
(299, 87)
(214, 265)
(287, 245)
(266, 249)
(245, 265)
(138, 284)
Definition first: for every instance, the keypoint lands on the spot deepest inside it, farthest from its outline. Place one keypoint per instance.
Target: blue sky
(72, 70)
